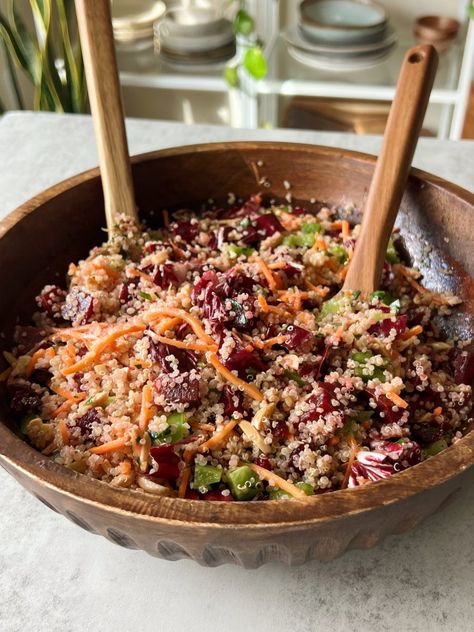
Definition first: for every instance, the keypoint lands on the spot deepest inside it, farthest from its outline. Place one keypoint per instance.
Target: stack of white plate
(341, 35)
(197, 35)
(132, 20)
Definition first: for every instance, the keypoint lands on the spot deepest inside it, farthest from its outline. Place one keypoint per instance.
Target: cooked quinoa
(216, 359)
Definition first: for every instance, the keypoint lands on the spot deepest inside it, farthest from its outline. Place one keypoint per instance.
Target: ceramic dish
(341, 21)
(339, 63)
(40, 239)
(194, 43)
(294, 38)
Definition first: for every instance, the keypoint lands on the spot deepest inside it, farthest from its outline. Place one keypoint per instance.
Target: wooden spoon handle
(391, 171)
(95, 29)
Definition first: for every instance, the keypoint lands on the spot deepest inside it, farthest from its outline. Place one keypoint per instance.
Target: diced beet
(28, 338)
(159, 353)
(464, 366)
(249, 209)
(228, 395)
(296, 338)
(281, 430)
(321, 403)
(216, 495)
(386, 406)
(403, 453)
(87, 420)
(250, 236)
(154, 246)
(78, 307)
(187, 230)
(192, 494)
(291, 270)
(167, 461)
(23, 399)
(428, 432)
(298, 210)
(185, 392)
(384, 327)
(163, 276)
(263, 461)
(233, 283)
(51, 300)
(124, 291)
(268, 225)
(242, 360)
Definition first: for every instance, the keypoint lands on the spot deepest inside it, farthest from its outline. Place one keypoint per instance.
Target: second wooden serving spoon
(393, 165)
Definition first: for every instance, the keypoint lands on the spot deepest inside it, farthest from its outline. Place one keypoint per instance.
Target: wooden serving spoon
(393, 164)
(95, 30)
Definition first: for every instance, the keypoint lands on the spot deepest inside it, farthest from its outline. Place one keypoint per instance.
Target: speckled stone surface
(54, 577)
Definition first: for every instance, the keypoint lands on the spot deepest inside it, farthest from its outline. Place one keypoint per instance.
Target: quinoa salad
(217, 359)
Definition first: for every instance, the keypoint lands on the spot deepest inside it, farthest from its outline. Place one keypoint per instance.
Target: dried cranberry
(464, 366)
(185, 392)
(192, 494)
(243, 360)
(216, 495)
(159, 353)
(291, 270)
(384, 327)
(51, 300)
(298, 210)
(23, 399)
(187, 230)
(78, 307)
(167, 461)
(229, 396)
(428, 432)
(281, 430)
(87, 420)
(296, 338)
(263, 461)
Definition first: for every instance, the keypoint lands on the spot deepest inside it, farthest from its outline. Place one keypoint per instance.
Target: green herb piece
(392, 254)
(311, 228)
(292, 375)
(244, 484)
(255, 63)
(383, 297)
(365, 370)
(176, 418)
(434, 448)
(332, 306)
(205, 476)
(356, 294)
(339, 252)
(145, 296)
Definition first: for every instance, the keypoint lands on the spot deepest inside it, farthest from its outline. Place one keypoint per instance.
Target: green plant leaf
(20, 44)
(73, 79)
(244, 24)
(231, 76)
(255, 63)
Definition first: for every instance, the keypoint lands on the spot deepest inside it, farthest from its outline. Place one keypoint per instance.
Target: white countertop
(54, 577)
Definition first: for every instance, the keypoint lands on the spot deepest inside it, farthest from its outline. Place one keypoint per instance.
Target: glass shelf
(289, 76)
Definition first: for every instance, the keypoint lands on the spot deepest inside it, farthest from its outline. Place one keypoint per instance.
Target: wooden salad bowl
(39, 239)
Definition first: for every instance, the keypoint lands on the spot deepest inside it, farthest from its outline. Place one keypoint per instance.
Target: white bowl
(131, 14)
(193, 42)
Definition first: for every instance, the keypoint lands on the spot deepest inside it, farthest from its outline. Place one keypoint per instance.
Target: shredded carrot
(184, 482)
(194, 346)
(126, 467)
(265, 344)
(179, 313)
(319, 244)
(279, 265)
(337, 225)
(110, 446)
(63, 392)
(166, 325)
(262, 301)
(146, 410)
(219, 438)
(233, 379)
(320, 291)
(396, 399)
(343, 273)
(437, 411)
(101, 346)
(4, 375)
(273, 282)
(64, 431)
(196, 425)
(66, 405)
(333, 440)
(279, 311)
(279, 482)
(411, 333)
(133, 272)
(34, 359)
(188, 454)
(354, 450)
(345, 229)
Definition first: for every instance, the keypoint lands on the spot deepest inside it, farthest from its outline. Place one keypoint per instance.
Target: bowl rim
(21, 459)
(343, 27)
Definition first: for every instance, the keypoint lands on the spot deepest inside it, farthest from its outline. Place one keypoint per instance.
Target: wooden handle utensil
(95, 29)
(391, 171)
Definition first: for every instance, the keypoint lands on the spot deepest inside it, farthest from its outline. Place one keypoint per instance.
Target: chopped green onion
(239, 250)
(298, 240)
(311, 227)
(244, 483)
(339, 252)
